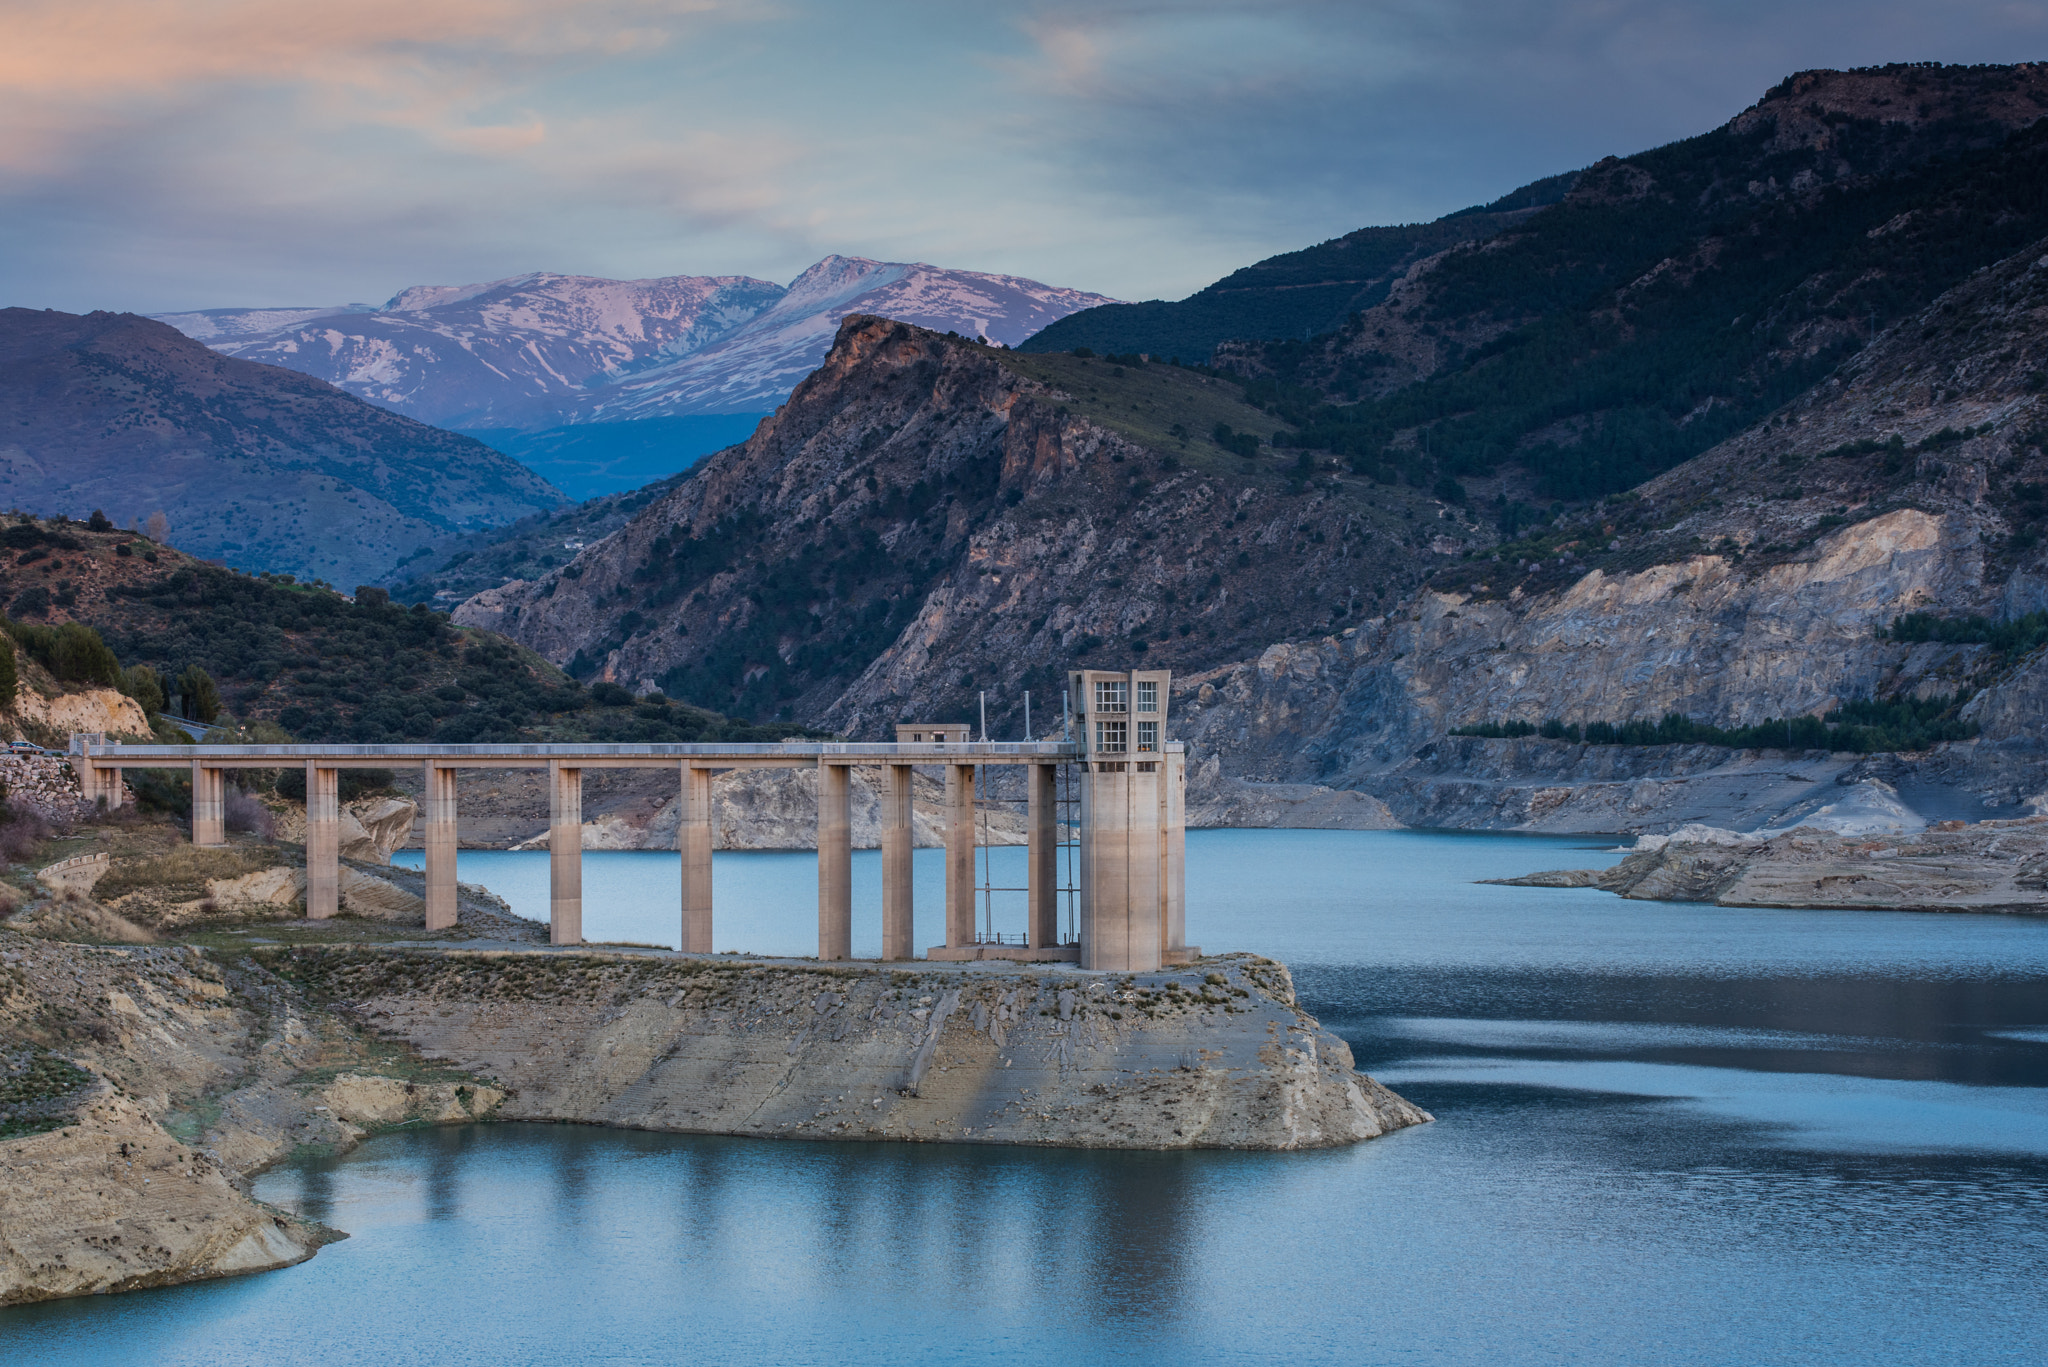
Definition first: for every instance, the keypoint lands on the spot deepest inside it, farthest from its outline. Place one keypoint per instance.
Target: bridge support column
(1120, 930)
(897, 828)
(209, 802)
(959, 855)
(323, 841)
(693, 838)
(1041, 878)
(835, 861)
(565, 854)
(98, 784)
(439, 839)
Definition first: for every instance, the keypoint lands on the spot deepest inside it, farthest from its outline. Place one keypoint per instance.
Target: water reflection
(1667, 1134)
(1106, 1235)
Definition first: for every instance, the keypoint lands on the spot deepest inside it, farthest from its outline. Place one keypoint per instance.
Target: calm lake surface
(1666, 1134)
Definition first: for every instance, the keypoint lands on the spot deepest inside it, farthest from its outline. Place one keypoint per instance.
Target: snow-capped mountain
(544, 351)
(518, 353)
(754, 367)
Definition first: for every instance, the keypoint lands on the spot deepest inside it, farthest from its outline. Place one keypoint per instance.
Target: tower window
(1148, 695)
(1112, 737)
(1112, 695)
(1148, 734)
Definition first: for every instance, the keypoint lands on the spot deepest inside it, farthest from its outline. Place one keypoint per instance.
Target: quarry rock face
(1760, 601)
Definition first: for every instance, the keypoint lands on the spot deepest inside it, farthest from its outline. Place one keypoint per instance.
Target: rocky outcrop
(190, 1075)
(110, 1202)
(91, 709)
(1993, 866)
(1217, 1055)
(371, 827)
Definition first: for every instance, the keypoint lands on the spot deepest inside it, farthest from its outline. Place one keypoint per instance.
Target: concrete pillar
(98, 783)
(1120, 930)
(1173, 851)
(693, 838)
(959, 855)
(1041, 858)
(565, 854)
(896, 865)
(439, 839)
(209, 804)
(323, 841)
(835, 862)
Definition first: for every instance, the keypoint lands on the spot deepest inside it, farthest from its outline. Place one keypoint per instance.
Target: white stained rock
(1866, 807)
(372, 828)
(1694, 833)
(265, 887)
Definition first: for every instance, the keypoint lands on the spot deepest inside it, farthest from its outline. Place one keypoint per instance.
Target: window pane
(1148, 695)
(1148, 735)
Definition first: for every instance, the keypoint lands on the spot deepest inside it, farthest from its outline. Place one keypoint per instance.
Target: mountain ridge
(256, 465)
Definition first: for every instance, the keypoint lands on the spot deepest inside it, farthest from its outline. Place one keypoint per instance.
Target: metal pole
(1066, 706)
(1027, 715)
(984, 713)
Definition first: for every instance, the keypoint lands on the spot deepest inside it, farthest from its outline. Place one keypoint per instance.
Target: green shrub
(198, 698)
(1861, 726)
(2015, 637)
(146, 686)
(72, 652)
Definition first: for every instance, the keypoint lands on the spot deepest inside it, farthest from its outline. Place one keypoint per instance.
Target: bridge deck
(786, 754)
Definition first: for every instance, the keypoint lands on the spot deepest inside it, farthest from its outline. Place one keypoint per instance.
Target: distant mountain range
(253, 465)
(548, 366)
(1751, 429)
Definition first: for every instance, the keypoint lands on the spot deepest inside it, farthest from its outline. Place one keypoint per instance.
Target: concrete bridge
(1130, 827)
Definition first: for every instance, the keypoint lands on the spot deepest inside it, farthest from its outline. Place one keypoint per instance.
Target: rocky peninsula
(172, 1027)
(1994, 866)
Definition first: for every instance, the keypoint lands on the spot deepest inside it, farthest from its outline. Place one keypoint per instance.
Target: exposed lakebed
(1667, 1133)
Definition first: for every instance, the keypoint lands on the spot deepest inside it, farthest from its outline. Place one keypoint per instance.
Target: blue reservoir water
(1666, 1134)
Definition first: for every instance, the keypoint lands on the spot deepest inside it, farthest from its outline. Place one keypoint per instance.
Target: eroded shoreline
(205, 1065)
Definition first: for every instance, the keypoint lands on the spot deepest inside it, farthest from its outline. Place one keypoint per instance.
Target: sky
(173, 154)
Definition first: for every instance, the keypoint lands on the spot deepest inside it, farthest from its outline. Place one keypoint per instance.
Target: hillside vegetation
(1294, 295)
(1673, 298)
(309, 661)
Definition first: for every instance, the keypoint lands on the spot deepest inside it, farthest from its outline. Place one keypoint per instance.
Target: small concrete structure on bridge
(1129, 828)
